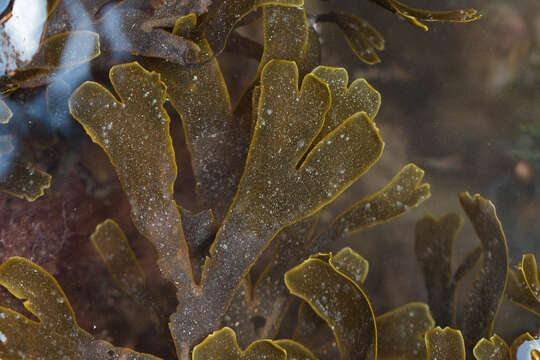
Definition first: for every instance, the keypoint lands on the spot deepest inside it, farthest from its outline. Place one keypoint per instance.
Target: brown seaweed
(434, 239)
(24, 180)
(299, 137)
(523, 284)
(363, 39)
(268, 298)
(295, 351)
(415, 16)
(401, 332)
(488, 289)
(495, 348)
(269, 196)
(113, 247)
(142, 153)
(340, 302)
(403, 192)
(434, 245)
(222, 345)
(57, 333)
(445, 344)
(230, 13)
(199, 94)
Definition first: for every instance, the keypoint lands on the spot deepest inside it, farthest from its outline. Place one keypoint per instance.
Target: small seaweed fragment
(350, 263)
(445, 344)
(340, 302)
(134, 132)
(222, 345)
(24, 181)
(415, 16)
(400, 332)
(362, 38)
(56, 335)
(493, 349)
(529, 271)
(18, 177)
(523, 285)
(113, 247)
(5, 112)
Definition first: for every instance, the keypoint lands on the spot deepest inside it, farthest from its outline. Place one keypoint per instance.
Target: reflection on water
(21, 34)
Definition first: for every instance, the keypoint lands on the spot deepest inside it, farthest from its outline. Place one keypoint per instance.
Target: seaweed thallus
(300, 135)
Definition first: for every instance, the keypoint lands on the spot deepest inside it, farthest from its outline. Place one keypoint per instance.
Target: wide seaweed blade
(134, 132)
